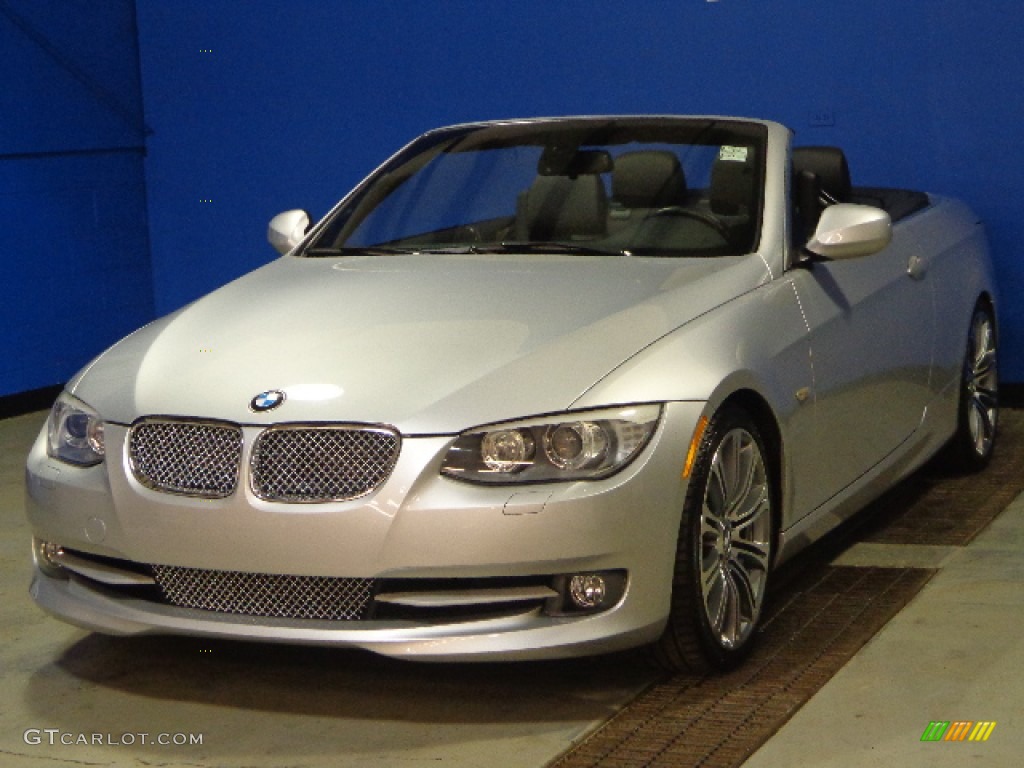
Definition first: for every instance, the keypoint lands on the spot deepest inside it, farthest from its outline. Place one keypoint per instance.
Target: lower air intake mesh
(266, 594)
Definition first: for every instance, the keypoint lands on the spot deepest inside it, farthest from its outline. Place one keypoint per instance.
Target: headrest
(648, 179)
(732, 187)
(560, 208)
(829, 165)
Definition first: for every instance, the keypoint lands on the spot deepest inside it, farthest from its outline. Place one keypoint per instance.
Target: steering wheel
(690, 213)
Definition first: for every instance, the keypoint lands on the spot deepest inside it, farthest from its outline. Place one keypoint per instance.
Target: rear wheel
(724, 550)
(978, 417)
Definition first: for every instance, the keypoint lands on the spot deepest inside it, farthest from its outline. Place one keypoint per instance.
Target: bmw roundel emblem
(266, 401)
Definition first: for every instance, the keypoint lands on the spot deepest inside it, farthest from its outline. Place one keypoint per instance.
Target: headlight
(75, 432)
(579, 446)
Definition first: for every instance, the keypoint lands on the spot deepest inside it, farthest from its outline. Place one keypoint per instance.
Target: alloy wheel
(982, 383)
(735, 539)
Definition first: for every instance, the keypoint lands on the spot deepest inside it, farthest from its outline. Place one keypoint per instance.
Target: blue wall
(73, 238)
(258, 107)
(262, 107)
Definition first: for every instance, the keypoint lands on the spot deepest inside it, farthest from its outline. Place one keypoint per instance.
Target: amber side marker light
(691, 455)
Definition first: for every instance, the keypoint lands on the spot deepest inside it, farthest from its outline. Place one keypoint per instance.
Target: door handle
(915, 267)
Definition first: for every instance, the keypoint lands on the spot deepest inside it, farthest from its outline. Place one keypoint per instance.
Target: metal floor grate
(933, 507)
(719, 721)
(818, 617)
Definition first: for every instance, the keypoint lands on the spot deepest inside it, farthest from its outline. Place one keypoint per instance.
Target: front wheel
(724, 551)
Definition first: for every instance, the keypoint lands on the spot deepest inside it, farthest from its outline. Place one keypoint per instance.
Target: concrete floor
(258, 705)
(953, 654)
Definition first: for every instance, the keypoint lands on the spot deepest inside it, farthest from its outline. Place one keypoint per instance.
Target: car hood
(431, 344)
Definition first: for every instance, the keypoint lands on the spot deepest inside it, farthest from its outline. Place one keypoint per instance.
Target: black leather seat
(821, 177)
(648, 179)
(563, 208)
(731, 198)
(642, 182)
(829, 165)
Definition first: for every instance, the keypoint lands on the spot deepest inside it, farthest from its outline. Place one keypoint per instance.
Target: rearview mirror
(287, 229)
(572, 162)
(847, 230)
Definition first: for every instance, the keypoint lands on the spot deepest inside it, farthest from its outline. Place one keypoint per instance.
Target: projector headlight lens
(579, 446)
(507, 450)
(575, 445)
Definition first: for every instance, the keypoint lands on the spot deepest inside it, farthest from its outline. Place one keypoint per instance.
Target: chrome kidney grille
(266, 594)
(190, 458)
(290, 463)
(321, 463)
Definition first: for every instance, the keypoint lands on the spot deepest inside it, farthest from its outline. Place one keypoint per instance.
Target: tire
(971, 446)
(724, 550)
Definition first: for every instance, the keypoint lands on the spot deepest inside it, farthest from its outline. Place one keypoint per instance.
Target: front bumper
(417, 528)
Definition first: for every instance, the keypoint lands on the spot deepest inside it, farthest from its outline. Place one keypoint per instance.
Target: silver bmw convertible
(534, 389)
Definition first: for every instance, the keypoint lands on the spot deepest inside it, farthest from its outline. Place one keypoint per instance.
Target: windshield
(638, 186)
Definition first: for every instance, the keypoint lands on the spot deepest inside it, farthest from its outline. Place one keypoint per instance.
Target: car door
(870, 323)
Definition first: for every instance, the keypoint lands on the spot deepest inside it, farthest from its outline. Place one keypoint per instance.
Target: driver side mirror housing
(848, 230)
(287, 229)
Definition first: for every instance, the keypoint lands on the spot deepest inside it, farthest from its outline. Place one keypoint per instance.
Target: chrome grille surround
(266, 594)
(186, 457)
(311, 463)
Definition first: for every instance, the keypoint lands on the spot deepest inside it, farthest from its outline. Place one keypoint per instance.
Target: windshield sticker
(735, 154)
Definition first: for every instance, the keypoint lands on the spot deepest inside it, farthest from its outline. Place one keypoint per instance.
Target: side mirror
(846, 231)
(287, 229)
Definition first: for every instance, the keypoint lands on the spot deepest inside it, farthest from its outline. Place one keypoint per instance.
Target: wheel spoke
(749, 513)
(982, 426)
(730, 631)
(716, 602)
(716, 497)
(757, 551)
(709, 532)
(984, 363)
(727, 459)
(986, 402)
(988, 395)
(983, 346)
(710, 575)
(746, 594)
(747, 468)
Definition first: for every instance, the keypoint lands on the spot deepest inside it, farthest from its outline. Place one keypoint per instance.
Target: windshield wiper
(362, 250)
(537, 246)
(511, 246)
(456, 250)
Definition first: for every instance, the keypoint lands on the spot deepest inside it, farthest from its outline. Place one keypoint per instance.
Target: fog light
(587, 590)
(47, 557)
(580, 594)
